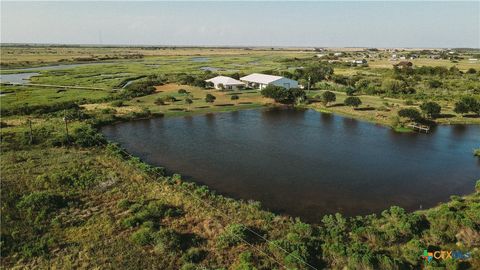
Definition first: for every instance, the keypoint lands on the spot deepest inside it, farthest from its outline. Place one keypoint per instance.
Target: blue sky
(322, 24)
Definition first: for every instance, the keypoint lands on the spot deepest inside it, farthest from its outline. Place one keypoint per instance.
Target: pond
(307, 164)
(18, 77)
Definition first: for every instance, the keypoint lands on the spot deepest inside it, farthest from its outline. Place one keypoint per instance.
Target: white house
(260, 81)
(227, 83)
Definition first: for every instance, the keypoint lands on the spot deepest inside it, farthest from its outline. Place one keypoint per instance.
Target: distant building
(224, 82)
(361, 62)
(404, 65)
(338, 54)
(260, 81)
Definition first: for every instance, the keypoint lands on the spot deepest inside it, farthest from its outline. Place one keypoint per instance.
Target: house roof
(224, 80)
(260, 78)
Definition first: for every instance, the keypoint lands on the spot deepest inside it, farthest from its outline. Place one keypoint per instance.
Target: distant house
(260, 81)
(338, 54)
(361, 62)
(404, 65)
(224, 82)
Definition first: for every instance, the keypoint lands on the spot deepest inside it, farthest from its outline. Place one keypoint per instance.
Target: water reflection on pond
(307, 164)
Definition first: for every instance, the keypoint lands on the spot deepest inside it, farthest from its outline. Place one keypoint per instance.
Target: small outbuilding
(224, 82)
(260, 81)
(404, 65)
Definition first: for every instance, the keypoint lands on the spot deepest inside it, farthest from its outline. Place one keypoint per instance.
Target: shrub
(188, 101)
(245, 262)
(167, 240)
(142, 236)
(467, 104)
(299, 246)
(169, 98)
(410, 113)
(39, 204)
(350, 91)
(471, 71)
(234, 97)
(117, 103)
(431, 109)
(182, 91)
(123, 203)
(353, 101)
(328, 97)
(233, 235)
(434, 83)
(282, 95)
(86, 136)
(194, 255)
(159, 101)
(80, 176)
(210, 98)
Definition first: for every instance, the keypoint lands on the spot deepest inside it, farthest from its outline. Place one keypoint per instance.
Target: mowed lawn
(223, 102)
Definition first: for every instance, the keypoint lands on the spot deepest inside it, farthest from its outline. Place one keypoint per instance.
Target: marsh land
(74, 198)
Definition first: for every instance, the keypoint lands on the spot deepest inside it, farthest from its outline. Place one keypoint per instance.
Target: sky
(297, 24)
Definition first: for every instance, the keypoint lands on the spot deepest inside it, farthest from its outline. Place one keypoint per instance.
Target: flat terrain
(70, 199)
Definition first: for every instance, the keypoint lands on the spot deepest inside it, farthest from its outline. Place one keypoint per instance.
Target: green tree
(467, 104)
(182, 91)
(350, 91)
(393, 86)
(328, 97)
(282, 95)
(410, 113)
(431, 109)
(210, 98)
(353, 102)
(235, 98)
(471, 71)
(188, 101)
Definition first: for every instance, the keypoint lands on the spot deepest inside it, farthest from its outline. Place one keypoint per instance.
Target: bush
(117, 103)
(86, 136)
(350, 91)
(182, 91)
(282, 95)
(233, 235)
(353, 101)
(245, 262)
(159, 101)
(80, 176)
(234, 97)
(412, 114)
(142, 236)
(167, 240)
(467, 104)
(194, 255)
(328, 97)
(39, 204)
(431, 109)
(210, 98)
(123, 203)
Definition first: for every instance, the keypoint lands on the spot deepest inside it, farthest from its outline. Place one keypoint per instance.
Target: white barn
(260, 81)
(227, 82)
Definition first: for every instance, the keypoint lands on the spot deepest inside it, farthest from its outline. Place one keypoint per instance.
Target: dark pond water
(307, 164)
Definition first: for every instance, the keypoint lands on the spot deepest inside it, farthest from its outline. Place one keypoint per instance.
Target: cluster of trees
(142, 87)
(468, 104)
(284, 96)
